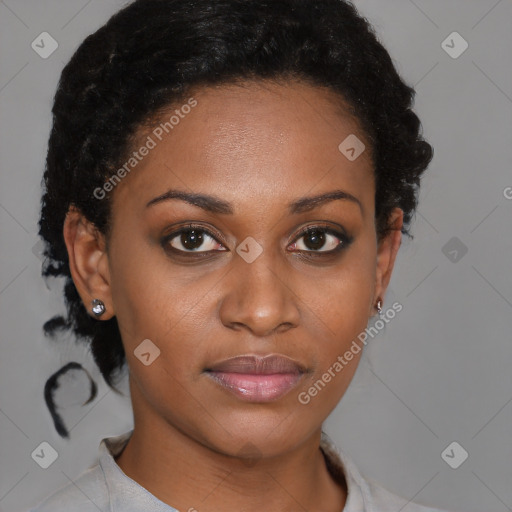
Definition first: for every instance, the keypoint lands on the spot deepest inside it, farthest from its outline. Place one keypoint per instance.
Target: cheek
(143, 294)
(157, 300)
(344, 303)
(346, 297)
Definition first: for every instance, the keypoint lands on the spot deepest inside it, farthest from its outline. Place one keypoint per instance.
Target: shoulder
(364, 494)
(386, 501)
(87, 493)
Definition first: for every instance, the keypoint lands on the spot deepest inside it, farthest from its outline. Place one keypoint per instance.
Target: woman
(227, 184)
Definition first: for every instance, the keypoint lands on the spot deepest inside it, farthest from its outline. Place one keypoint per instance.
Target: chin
(256, 435)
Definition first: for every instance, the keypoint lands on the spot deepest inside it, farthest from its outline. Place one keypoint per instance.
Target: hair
(152, 52)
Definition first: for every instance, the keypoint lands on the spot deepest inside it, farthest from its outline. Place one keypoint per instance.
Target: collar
(125, 494)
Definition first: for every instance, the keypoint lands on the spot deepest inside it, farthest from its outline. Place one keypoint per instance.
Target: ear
(88, 261)
(386, 253)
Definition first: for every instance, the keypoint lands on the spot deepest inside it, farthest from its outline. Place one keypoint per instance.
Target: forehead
(252, 141)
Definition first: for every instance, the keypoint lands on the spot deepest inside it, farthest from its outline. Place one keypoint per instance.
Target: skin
(257, 146)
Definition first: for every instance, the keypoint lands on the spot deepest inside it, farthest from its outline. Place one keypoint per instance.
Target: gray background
(439, 372)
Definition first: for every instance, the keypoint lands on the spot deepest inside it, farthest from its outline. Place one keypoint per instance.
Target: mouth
(257, 379)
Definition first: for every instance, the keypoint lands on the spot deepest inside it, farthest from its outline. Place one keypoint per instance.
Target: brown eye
(192, 239)
(322, 240)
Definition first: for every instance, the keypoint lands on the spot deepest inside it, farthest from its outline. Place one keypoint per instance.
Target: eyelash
(345, 241)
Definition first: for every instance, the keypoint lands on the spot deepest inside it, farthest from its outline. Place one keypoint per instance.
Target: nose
(259, 297)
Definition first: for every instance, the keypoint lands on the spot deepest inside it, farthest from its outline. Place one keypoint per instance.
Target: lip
(256, 378)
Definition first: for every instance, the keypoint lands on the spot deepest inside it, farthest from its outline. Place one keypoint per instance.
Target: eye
(318, 237)
(192, 239)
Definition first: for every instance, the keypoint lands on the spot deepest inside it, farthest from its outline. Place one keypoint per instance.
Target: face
(250, 290)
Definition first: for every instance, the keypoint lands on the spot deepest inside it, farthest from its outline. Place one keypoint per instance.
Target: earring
(379, 306)
(98, 307)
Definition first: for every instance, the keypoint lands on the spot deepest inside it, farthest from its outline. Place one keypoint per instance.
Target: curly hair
(150, 53)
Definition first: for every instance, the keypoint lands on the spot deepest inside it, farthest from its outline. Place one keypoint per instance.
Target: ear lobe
(386, 252)
(88, 261)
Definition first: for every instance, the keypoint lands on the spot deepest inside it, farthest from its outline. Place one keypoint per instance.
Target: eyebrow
(213, 204)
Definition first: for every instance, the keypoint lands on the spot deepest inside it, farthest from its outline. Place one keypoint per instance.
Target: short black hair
(150, 53)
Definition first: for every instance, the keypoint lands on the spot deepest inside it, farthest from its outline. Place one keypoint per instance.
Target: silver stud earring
(98, 307)
(379, 307)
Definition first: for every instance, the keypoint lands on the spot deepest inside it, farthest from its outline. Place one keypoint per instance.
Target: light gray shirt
(106, 488)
